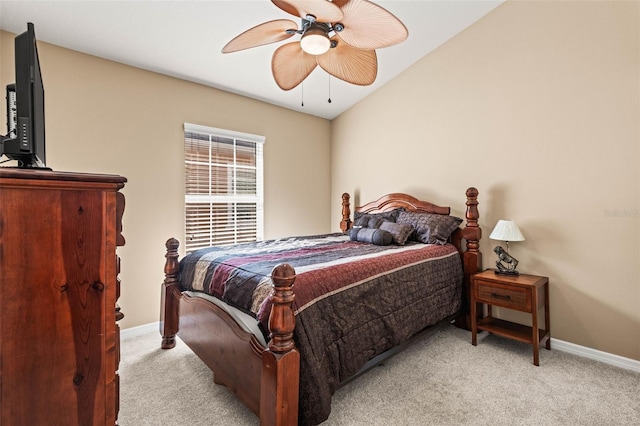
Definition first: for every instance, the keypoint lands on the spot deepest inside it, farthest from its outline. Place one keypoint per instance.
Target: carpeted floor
(443, 380)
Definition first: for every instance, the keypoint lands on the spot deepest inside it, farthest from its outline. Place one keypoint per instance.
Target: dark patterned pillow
(430, 228)
(371, 236)
(399, 231)
(368, 221)
(391, 215)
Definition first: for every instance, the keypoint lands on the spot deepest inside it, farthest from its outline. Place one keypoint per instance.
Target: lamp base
(513, 273)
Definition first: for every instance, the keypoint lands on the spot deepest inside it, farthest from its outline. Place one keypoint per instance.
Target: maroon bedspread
(353, 300)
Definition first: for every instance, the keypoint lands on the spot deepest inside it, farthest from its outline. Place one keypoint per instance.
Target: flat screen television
(25, 139)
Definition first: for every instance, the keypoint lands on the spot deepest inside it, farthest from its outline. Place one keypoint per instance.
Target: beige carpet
(443, 380)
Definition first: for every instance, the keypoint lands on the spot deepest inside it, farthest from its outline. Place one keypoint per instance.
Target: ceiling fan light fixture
(357, 28)
(315, 41)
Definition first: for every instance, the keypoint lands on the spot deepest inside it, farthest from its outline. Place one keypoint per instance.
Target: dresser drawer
(499, 295)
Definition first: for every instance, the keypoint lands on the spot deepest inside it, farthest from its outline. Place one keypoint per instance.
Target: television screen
(25, 141)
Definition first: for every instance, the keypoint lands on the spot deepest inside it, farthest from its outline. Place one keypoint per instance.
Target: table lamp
(506, 230)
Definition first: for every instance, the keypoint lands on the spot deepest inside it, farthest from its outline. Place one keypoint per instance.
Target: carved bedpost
(281, 362)
(170, 303)
(345, 224)
(471, 258)
(472, 234)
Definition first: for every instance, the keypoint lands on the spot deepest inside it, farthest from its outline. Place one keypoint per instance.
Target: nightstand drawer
(507, 297)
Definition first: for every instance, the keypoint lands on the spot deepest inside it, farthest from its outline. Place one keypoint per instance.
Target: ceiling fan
(340, 35)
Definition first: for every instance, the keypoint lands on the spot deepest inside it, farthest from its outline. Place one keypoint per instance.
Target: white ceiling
(183, 39)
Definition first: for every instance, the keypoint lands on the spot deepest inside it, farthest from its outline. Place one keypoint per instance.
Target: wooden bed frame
(267, 379)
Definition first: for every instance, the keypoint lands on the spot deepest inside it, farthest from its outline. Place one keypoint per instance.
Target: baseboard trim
(560, 345)
(594, 354)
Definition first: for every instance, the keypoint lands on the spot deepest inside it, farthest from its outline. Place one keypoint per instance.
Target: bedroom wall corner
(538, 106)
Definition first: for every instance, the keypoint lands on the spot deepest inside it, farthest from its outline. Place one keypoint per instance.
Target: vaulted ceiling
(184, 39)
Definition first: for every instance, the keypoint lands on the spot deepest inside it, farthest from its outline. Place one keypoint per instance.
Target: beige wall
(105, 117)
(537, 105)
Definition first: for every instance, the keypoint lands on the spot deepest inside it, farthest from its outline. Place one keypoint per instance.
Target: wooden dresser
(59, 341)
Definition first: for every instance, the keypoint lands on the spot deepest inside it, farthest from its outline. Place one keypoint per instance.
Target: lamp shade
(506, 230)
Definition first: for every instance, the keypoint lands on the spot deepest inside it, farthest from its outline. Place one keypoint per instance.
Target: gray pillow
(399, 231)
(368, 221)
(390, 215)
(371, 236)
(430, 228)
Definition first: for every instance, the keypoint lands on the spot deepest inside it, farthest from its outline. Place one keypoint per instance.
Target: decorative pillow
(368, 221)
(399, 231)
(430, 228)
(371, 236)
(391, 215)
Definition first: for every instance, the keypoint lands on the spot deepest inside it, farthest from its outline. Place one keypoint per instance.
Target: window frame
(233, 200)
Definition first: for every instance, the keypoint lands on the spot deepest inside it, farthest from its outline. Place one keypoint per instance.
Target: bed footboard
(265, 379)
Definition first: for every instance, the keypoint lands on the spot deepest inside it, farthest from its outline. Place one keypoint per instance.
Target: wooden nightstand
(520, 293)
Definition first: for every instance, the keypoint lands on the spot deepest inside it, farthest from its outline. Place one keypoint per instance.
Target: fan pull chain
(302, 94)
(329, 100)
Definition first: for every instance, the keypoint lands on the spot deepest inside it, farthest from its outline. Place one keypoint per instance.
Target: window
(223, 187)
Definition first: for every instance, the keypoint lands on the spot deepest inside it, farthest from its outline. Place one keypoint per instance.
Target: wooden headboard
(399, 200)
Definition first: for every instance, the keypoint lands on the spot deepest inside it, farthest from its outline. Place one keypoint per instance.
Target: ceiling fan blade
(268, 32)
(369, 26)
(356, 66)
(323, 10)
(290, 65)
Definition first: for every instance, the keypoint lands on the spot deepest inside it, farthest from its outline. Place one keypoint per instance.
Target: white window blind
(223, 187)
